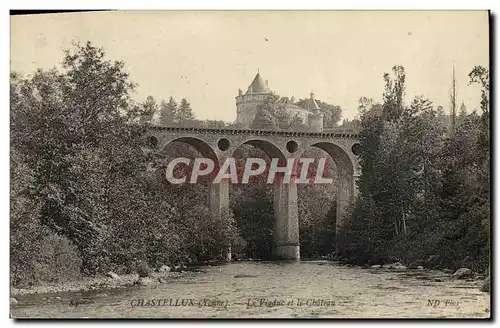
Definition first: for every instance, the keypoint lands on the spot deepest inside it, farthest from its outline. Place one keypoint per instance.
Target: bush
(142, 268)
(38, 255)
(361, 239)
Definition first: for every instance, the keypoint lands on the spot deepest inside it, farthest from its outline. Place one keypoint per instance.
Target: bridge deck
(327, 134)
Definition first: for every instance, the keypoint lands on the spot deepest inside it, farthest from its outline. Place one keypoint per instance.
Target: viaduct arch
(220, 144)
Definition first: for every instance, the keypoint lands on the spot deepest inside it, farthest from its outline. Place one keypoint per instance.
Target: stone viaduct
(219, 144)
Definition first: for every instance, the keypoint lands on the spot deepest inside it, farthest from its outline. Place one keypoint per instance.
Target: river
(306, 289)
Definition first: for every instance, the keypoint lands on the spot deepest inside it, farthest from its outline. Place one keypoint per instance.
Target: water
(315, 289)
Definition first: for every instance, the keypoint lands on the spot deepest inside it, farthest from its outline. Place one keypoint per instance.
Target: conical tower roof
(258, 85)
(311, 104)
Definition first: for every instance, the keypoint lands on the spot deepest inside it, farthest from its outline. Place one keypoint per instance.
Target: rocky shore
(109, 281)
(459, 274)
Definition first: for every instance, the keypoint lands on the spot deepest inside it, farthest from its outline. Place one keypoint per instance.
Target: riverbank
(314, 289)
(99, 283)
(114, 281)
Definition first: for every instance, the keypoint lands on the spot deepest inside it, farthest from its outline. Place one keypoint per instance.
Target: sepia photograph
(250, 164)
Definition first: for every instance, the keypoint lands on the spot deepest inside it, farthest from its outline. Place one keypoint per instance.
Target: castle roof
(311, 104)
(293, 106)
(258, 85)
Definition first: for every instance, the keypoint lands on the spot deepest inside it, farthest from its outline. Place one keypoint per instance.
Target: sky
(205, 56)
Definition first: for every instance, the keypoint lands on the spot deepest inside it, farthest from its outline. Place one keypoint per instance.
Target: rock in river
(113, 275)
(144, 281)
(395, 266)
(463, 273)
(416, 264)
(13, 301)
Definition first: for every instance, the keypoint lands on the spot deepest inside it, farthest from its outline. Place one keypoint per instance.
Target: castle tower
(246, 104)
(316, 116)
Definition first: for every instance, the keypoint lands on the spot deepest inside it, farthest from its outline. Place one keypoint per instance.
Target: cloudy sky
(207, 56)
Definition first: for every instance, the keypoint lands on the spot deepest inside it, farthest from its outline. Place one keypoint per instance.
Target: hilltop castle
(258, 91)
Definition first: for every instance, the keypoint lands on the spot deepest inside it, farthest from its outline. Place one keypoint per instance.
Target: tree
(82, 184)
(481, 76)
(462, 114)
(365, 104)
(296, 123)
(272, 115)
(184, 114)
(84, 106)
(422, 192)
(149, 109)
(464, 217)
(443, 118)
(168, 112)
(394, 93)
(332, 114)
(263, 120)
(352, 125)
(76, 130)
(267, 112)
(453, 103)
(389, 177)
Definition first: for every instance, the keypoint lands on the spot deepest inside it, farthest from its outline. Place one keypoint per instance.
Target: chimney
(267, 85)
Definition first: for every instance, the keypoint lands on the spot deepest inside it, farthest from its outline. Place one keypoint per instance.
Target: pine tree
(453, 103)
(462, 114)
(184, 113)
(167, 112)
(149, 108)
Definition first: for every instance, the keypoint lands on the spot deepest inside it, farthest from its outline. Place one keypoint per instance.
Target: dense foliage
(84, 199)
(425, 187)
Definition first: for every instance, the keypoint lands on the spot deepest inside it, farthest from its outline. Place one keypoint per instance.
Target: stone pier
(218, 198)
(286, 222)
